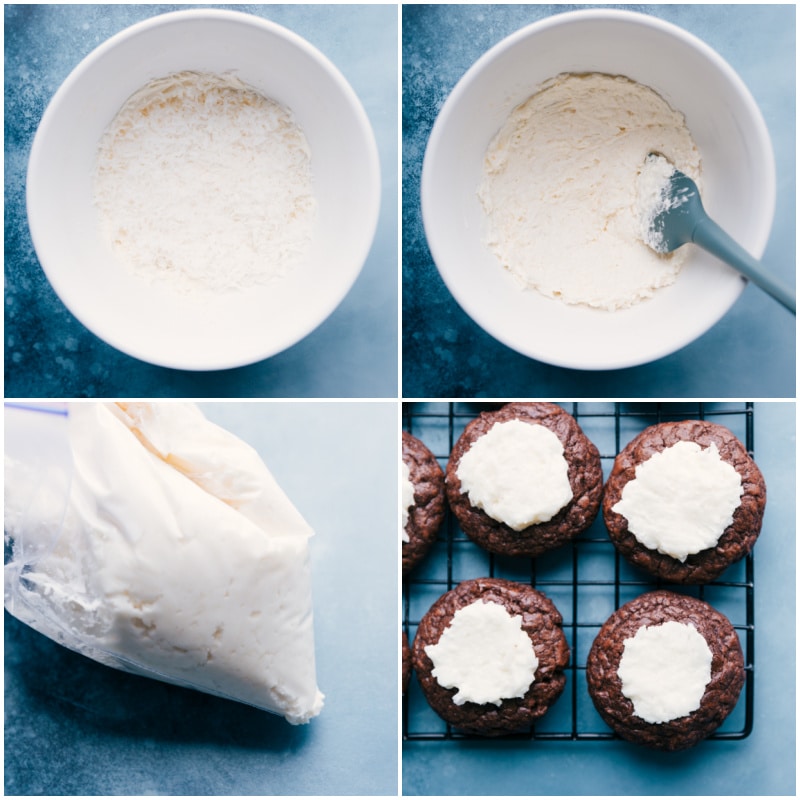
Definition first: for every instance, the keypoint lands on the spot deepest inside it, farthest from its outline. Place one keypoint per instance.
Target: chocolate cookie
(426, 515)
(738, 538)
(584, 473)
(541, 621)
(720, 695)
(406, 662)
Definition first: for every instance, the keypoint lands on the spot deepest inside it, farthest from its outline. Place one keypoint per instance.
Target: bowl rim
(463, 86)
(241, 355)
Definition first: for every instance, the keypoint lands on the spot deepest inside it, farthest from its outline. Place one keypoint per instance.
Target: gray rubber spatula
(679, 218)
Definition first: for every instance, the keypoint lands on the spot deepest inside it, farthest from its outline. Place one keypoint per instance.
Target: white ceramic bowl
(738, 178)
(234, 328)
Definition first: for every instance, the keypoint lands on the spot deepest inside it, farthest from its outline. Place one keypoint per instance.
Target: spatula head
(677, 214)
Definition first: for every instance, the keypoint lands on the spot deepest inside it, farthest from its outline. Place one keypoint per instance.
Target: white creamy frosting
(559, 189)
(485, 654)
(516, 473)
(177, 556)
(407, 489)
(654, 197)
(664, 671)
(681, 500)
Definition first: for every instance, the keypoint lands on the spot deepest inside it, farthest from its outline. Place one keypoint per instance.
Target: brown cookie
(721, 694)
(737, 539)
(406, 662)
(585, 478)
(540, 620)
(426, 515)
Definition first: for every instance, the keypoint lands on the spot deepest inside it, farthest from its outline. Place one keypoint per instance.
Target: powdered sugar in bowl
(236, 307)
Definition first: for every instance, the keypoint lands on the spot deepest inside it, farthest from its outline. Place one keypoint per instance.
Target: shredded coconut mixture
(559, 189)
(205, 185)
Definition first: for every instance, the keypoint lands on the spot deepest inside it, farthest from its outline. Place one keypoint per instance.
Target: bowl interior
(231, 328)
(738, 176)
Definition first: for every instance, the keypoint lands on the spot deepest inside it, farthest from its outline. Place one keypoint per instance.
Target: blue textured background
(75, 727)
(48, 353)
(750, 353)
(764, 763)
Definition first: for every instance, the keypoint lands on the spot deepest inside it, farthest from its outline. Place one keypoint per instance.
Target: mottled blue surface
(75, 727)
(750, 353)
(763, 764)
(48, 353)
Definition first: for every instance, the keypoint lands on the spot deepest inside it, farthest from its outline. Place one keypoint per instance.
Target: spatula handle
(708, 235)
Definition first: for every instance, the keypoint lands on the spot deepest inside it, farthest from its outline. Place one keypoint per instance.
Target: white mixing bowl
(738, 180)
(234, 328)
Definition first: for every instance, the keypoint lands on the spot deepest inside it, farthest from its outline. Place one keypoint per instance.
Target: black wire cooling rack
(587, 580)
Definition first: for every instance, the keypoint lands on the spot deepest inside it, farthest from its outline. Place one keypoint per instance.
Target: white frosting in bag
(179, 558)
(516, 473)
(681, 500)
(485, 654)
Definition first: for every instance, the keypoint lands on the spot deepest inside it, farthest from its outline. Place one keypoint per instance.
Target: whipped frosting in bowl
(732, 142)
(560, 189)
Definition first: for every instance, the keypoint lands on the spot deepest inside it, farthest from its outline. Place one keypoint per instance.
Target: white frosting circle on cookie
(517, 473)
(407, 489)
(681, 500)
(485, 654)
(664, 671)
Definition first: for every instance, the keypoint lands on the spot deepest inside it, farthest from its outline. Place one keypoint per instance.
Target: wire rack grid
(587, 580)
